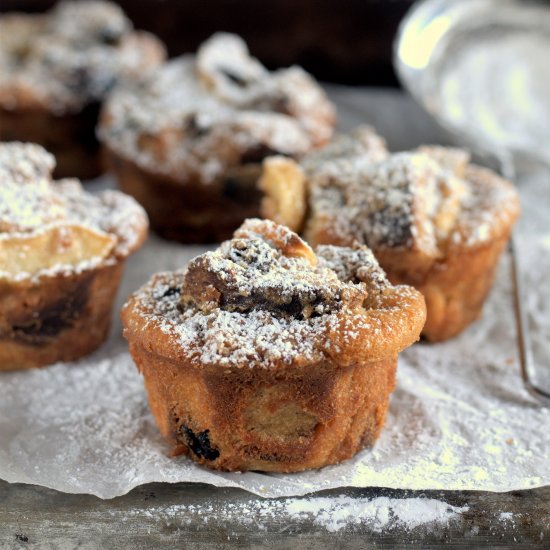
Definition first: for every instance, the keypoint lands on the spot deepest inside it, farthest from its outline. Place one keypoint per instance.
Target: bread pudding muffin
(266, 355)
(188, 143)
(56, 70)
(432, 219)
(62, 253)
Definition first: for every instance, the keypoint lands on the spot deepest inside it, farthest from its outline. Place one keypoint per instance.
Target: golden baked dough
(284, 185)
(263, 355)
(63, 245)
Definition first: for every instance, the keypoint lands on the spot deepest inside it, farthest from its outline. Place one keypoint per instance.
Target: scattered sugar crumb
(332, 514)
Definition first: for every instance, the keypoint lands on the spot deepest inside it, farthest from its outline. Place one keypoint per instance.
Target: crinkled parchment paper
(459, 418)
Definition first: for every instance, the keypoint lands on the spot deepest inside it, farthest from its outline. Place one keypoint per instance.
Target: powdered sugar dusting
(70, 56)
(458, 419)
(31, 204)
(332, 514)
(226, 337)
(426, 200)
(262, 299)
(199, 116)
(26, 201)
(109, 211)
(382, 513)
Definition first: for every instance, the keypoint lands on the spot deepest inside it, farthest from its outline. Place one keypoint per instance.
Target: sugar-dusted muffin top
(266, 299)
(267, 267)
(425, 200)
(361, 146)
(70, 56)
(49, 227)
(200, 115)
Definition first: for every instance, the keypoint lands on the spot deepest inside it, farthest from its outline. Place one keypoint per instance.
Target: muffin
(56, 70)
(189, 141)
(62, 253)
(265, 355)
(433, 220)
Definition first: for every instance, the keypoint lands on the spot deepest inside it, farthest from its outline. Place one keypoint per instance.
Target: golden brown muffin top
(49, 227)
(199, 116)
(427, 200)
(70, 56)
(266, 299)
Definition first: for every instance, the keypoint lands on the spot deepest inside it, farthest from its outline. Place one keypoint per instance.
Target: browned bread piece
(62, 253)
(266, 355)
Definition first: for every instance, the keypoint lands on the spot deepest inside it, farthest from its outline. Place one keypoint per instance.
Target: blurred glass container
(482, 69)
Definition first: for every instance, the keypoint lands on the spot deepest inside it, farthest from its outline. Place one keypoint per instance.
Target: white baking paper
(459, 418)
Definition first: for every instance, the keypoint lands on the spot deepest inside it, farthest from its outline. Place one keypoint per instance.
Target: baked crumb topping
(70, 56)
(26, 163)
(267, 267)
(381, 203)
(202, 115)
(264, 298)
(49, 227)
(422, 200)
(355, 264)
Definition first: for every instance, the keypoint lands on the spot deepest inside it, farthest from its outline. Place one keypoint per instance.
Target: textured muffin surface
(199, 116)
(257, 346)
(188, 142)
(57, 68)
(429, 200)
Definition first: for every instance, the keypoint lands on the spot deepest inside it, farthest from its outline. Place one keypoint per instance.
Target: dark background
(344, 41)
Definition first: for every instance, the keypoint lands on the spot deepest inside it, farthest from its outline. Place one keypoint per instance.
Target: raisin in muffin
(266, 355)
(62, 253)
(56, 70)
(188, 143)
(432, 219)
